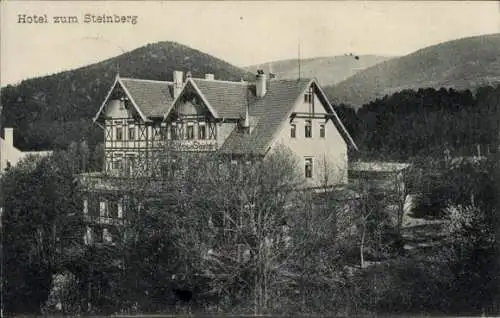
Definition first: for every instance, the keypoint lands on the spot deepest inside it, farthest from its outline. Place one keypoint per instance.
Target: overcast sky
(242, 33)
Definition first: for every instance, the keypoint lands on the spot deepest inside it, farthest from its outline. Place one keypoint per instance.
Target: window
(93, 206)
(308, 168)
(85, 206)
(119, 133)
(88, 236)
(173, 132)
(117, 164)
(113, 209)
(129, 165)
(98, 234)
(163, 131)
(131, 133)
(190, 131)
(322, 131)
(102, 209)
(106, 236)
(120, 209)
(308, 98)
(293, 130)
(202, 131)
(171, 169)
(308, 131)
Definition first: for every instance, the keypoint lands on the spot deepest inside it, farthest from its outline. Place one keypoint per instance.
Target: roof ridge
(220, 81)
(305, 79)
(145, 80)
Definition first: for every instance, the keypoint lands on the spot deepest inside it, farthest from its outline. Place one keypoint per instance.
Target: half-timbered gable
(192, 122)
(131, 116)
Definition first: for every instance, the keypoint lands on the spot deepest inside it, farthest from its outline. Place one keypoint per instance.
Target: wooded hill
(466, 63)
(52, 111)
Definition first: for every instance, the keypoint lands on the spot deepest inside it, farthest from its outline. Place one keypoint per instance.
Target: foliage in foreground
(241, 245)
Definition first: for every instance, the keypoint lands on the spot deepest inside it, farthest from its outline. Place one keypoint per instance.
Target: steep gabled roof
(188, 85)
(336, 119)
(229, 99)
(152, 97)
(270, 111)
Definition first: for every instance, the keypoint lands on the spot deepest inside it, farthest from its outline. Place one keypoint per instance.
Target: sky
(241, 33)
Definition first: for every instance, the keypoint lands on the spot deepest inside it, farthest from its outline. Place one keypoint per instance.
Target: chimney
(177, 83)
(260, 83)
(209, 77)
(8, 136)
(246, 121)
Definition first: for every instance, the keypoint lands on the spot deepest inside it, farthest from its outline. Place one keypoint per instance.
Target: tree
(40, 210)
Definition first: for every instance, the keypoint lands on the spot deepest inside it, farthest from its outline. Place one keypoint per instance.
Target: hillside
(52, 111)
(329, 70)
(465, 63)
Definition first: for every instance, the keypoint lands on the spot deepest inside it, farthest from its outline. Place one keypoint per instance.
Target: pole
(299, 58)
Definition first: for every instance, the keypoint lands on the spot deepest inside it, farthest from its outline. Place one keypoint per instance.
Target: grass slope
(329, 70)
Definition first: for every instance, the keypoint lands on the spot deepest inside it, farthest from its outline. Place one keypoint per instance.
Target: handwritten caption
(87, 18)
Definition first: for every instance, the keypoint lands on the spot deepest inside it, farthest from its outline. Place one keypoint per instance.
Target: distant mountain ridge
(329, 70)
(466, 63)
(51, 111)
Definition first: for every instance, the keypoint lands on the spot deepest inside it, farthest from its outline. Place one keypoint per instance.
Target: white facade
(10, 155)
(323, 149)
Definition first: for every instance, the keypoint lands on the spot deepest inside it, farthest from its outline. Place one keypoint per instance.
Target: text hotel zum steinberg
(87, 18)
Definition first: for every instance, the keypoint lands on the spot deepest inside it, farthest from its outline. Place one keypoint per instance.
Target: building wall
(328, 154)
(10, 154)
(118, 116)
(104, 215)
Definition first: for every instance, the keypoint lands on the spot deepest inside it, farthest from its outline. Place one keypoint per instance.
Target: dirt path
(421, 233)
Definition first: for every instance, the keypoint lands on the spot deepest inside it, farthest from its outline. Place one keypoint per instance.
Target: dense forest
(426, 122)
(52, 111)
